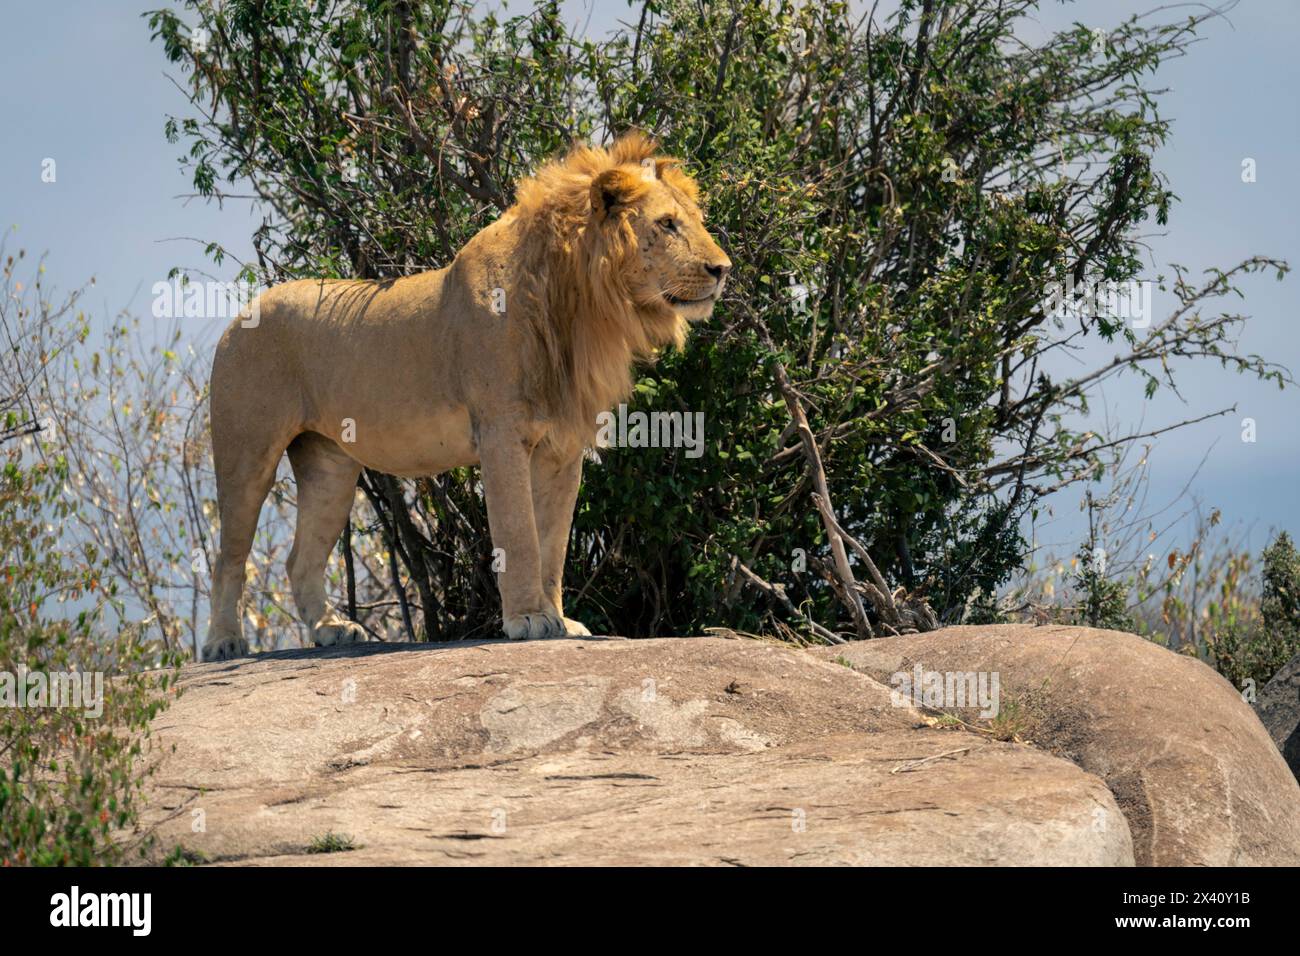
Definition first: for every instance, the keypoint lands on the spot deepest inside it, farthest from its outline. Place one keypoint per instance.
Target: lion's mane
(586, 327)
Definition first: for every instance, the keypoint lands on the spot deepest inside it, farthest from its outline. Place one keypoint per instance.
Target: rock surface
(685, 751)
(1190, 765)
(1279, 711)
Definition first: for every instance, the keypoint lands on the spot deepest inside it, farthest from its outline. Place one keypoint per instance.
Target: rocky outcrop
(688, 751)
(1195, 773)
(1279, 710)
(1107, 751)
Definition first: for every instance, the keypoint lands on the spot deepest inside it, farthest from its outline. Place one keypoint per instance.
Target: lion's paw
(574, 628)
(533, 627)
(330, 633)
(223, 647)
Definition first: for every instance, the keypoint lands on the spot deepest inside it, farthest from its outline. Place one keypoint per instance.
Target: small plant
(332, 842)
(983, 607)
(1012, 722)
(947, 721)
(182, 856)
(1103, 602)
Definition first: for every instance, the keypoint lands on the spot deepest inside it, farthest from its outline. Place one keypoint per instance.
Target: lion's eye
(668, 223)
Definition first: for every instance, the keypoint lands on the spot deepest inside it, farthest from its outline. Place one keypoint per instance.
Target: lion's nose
(718, 271)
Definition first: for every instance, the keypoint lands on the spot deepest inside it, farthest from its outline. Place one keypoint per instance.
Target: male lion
(503, 359)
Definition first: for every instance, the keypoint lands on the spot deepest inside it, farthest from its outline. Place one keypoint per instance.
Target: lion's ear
(663, 163)
(612, 189)
(670, 171)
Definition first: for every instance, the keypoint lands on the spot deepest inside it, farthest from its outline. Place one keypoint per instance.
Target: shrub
(1251, 643)
(70, 778)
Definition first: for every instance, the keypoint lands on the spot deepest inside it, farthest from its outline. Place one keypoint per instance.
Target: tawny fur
(601, 262)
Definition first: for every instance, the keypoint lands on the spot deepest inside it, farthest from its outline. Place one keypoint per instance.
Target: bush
(81, 673)
(1202, 597)
(1252, 646)
(71, 775)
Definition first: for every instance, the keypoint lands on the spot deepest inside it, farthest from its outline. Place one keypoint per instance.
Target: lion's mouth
(675, 300)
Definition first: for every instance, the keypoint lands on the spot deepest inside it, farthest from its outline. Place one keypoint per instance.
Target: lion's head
(671, 258)
(630, 225)
(621, 262)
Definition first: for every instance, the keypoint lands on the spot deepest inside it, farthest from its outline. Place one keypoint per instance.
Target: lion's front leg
(507, 484)
(555, 492)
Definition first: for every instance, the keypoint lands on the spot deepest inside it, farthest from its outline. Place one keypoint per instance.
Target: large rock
(1190, 765)
(1279, 710)
(689, 751)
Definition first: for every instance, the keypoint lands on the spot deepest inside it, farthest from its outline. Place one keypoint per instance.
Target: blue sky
(1230, 98)
(80, 83)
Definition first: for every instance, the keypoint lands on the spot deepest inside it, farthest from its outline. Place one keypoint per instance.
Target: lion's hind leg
(327, 481)
(245, 471)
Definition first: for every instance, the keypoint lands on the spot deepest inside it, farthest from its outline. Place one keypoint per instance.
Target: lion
(503, 359)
